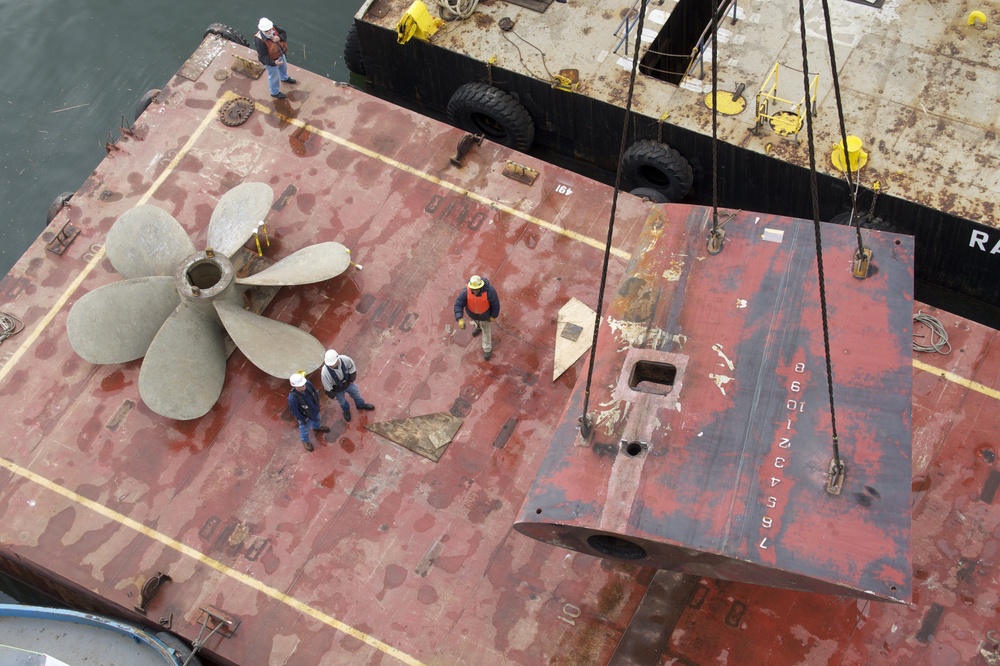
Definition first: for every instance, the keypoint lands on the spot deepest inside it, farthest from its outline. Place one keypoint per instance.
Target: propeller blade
(276, 348)
(237, 215)
(185, 367)
(310, 264)
(117, 322)
(145, 241)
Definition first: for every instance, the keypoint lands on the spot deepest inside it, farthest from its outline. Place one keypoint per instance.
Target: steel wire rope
(584, 423)
(843, 128)
(520, 56)
(9, 325)
(462, 9)
(814, 192)
(716, 242)
(939, 336)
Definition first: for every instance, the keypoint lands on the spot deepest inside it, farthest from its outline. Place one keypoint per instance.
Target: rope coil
(938, 334)
(9, 325)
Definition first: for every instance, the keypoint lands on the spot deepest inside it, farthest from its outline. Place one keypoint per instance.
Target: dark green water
(73, 67)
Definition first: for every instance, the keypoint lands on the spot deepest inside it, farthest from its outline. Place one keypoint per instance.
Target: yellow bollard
(977, 17)
(857, 157)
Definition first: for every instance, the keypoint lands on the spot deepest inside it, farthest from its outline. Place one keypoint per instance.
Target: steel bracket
(63, 239)
(520, 173)
(835, 477)
(218, 621)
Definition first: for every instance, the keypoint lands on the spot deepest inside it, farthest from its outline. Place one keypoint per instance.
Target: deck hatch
(652, 377)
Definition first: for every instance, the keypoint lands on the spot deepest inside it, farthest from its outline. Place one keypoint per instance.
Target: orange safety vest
(477, 304)
(275, 49)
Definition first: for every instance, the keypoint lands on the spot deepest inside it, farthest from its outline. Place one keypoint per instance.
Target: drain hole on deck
(652, 377)
(633, 448)
(612, 546)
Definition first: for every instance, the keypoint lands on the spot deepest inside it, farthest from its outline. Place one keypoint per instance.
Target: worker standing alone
(480, 300)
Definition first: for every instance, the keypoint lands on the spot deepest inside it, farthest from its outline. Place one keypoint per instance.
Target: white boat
(37, 636)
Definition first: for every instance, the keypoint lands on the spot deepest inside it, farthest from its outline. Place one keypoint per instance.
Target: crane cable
(837, 466)
(843, 133)
(585, 423)
(716, 238)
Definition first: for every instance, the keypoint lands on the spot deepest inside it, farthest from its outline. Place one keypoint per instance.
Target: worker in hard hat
(338, 374)
(479, 300)
(271, 44)
(303, 403)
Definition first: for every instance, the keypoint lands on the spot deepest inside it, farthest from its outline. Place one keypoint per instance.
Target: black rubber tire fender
(482, 109)
(657, 166)
(57, 205)
(352, 52)
(649, 194)
(144, 101)
(226, 32)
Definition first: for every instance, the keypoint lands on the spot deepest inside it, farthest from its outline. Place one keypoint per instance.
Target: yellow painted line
(125, 520)
(587, 240)
(197, 555)
(957, 379)
(98, 256)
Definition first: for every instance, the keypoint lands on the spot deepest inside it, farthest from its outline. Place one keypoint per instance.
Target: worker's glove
(493, 318)
(461, 323)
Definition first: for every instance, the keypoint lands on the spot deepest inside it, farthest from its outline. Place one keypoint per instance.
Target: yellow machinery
(417, 22)
(786, 122)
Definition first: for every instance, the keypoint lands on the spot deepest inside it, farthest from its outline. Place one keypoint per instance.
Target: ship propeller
(176, 304)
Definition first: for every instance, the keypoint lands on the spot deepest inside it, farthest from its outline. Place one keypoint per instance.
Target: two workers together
(478, 301)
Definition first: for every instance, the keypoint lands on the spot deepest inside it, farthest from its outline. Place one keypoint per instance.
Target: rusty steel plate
(711, 436)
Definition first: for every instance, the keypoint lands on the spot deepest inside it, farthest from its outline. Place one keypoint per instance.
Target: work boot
(367, 406)
(487, 355)
(322, 429)
(347, 415)
(290, 80)
(308, 445)
(279, 95)
(476, 331)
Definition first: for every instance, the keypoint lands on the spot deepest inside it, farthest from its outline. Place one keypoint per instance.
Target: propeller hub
(204, 276)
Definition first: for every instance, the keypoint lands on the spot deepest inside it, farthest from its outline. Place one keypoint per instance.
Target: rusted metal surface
(712, 426)
(911, 79)
(363, 552)
(952, 617)
(931, 167)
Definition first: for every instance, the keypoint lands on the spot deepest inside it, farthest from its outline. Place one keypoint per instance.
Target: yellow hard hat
(476, 282)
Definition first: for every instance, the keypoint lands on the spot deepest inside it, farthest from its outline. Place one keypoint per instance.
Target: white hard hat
(264, 25)
(331, 357)
(298, 380)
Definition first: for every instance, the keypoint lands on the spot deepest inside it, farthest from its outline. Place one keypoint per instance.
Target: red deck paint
(363, 552)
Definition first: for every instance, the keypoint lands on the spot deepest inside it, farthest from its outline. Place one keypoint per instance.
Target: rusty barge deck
(364, 551)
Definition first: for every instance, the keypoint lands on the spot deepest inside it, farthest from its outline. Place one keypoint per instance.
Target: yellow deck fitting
(978, 19)
(730, 103)
(858, 157)
(567, 79)
(417, 22)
